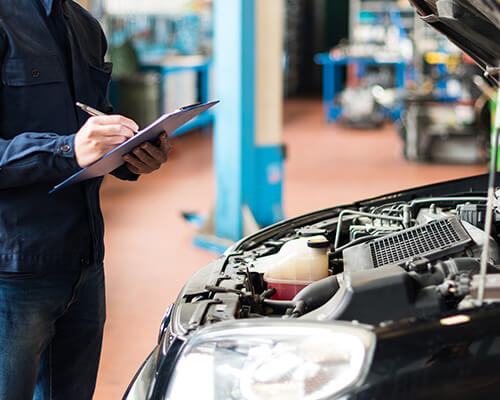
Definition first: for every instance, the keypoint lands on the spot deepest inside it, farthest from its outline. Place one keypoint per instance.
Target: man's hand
(147, 157)
(100, 135)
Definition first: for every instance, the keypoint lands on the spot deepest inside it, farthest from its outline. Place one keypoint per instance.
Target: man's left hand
(148, 157)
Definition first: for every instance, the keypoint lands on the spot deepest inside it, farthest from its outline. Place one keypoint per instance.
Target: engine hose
(279, 305)
(317, 293)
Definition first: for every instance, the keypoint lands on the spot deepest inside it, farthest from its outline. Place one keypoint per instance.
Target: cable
(362, 214)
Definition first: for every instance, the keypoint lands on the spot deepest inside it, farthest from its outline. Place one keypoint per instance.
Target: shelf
(166, 66)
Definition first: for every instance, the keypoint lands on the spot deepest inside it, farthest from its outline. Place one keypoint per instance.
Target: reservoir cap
(318, 243)
(310, 231)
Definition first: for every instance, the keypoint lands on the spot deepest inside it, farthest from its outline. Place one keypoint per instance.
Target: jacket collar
(47, 4)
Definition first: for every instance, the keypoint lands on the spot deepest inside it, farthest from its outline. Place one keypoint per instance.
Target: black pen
(90, 110)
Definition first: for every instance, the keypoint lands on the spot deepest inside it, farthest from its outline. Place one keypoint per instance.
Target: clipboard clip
(199, 103)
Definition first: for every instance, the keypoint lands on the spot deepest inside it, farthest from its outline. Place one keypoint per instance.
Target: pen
(90, 110)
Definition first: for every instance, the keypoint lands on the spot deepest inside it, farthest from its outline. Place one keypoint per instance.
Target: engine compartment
(399, 260)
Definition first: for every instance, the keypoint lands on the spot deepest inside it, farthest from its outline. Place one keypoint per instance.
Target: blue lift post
(248, 150)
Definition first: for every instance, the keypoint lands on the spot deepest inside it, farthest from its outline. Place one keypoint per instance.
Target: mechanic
(52, 306)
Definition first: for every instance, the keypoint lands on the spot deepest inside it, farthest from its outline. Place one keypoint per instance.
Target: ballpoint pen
(90, 110)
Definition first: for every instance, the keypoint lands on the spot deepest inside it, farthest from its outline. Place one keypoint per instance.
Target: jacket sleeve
(31, 158)
(122, 172)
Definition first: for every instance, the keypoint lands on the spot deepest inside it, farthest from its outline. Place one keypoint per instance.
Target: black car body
(423, 339)
(396, 317)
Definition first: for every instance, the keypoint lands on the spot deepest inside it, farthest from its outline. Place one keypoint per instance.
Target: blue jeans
(50, 334)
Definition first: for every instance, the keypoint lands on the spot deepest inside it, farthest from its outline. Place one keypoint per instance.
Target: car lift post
(248, 150)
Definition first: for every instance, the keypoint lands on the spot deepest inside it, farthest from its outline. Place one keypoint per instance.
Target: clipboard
(110, 161)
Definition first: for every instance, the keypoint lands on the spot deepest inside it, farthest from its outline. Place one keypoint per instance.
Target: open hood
(473, 25)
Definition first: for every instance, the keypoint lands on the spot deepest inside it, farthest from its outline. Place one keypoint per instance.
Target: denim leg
(69, 365)
(29, 307)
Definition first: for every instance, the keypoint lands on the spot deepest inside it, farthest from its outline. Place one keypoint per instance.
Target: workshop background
(323, 102)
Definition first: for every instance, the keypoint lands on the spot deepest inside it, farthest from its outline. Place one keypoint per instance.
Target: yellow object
(437, 57)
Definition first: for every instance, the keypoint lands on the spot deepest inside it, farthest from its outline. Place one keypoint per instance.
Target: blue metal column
(234, 122)
(248, 166)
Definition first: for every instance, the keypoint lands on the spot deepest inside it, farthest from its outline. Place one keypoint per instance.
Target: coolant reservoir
(299, 262)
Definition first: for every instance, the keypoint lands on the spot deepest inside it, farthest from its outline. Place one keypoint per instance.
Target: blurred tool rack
(445, 118)
(202, 68)
(400, 10)
(172, 41)
(332, 79)
(376, 31)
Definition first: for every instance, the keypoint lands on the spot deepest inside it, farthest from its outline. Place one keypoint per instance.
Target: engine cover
(433, 240)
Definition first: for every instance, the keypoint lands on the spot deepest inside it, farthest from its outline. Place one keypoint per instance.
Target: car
(393, 297)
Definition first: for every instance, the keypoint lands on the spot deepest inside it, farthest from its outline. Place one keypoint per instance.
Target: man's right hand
(100, 135)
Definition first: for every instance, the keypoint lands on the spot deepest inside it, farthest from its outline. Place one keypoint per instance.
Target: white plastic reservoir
(299, 262)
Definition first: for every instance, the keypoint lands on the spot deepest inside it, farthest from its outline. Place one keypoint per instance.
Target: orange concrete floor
(149, 253)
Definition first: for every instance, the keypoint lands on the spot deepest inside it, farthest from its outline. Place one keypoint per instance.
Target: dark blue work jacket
(41, 232)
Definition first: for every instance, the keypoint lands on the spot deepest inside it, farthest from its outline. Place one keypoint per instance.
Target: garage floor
(149, 252)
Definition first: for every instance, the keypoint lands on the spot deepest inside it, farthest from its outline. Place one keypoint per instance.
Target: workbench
(332, 79)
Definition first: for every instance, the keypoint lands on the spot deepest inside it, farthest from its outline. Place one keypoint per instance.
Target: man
(52, 307)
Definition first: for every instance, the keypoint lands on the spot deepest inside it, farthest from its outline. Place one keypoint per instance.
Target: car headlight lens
(272, 360)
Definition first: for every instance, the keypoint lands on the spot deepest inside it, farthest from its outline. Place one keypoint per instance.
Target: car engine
(372, 264)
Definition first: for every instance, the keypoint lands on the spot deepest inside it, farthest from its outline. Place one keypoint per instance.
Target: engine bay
(376, 264)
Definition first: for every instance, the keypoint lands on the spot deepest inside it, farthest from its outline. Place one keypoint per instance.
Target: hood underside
(473, 25)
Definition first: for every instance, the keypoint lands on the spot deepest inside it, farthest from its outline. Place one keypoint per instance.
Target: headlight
(272, 360)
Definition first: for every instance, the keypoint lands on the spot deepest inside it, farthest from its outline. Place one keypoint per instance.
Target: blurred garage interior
(346, 100)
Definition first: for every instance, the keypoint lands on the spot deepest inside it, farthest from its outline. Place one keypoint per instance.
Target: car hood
(473, 25)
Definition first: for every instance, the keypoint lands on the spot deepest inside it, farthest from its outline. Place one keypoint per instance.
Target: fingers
(116, 120)
(133, 169)
(137, 166)
(113, 140)
(102, 132)
(164, 143)
(156, 152)
(146, 158)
